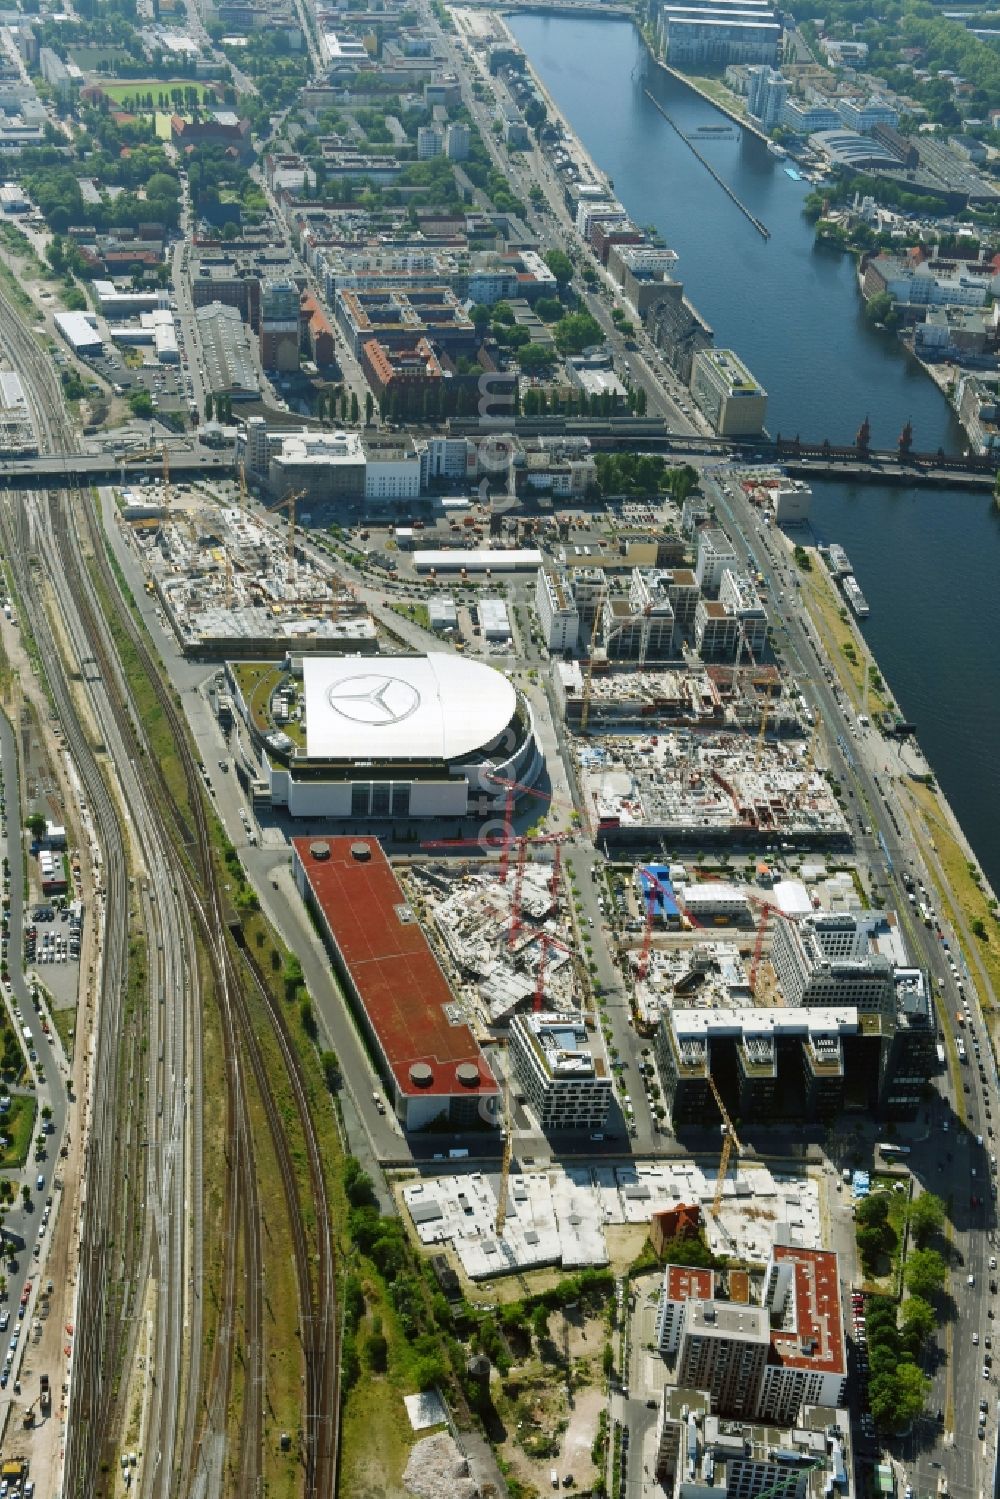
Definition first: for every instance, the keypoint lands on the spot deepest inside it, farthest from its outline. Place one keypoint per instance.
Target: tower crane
(765, 713)
(767, 910)
(508, 1152)
(730, 1142)
(588, 674)
(288, 502)
(647, 931)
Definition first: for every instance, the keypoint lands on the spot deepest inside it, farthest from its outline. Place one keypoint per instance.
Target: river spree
(927, 561)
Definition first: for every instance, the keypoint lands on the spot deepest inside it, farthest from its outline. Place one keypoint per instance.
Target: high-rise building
(767, 91)
(723, 1349)
(279, 325)
(430, 142)
(457, 141)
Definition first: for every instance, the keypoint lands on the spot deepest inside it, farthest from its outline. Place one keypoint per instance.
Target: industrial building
(556, 1061)
(402, 737)
(80, 331)
(17, 427)
(727, 393)
(225, 345)
(434, 1072)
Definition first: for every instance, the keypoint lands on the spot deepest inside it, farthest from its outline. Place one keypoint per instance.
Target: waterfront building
(727, 393)
(929, 283)
(767, 91)
(718, 32)
(677, 329)
(864, 116)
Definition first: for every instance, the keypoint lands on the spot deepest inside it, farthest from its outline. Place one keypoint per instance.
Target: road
(946, 1156)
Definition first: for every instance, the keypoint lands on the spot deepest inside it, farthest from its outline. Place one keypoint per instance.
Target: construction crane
(730, 1142)
(767, 910)
(588, 674)
(508, 1151)
(545, 941)
(516, 920)
(288, 502)
(765, 713)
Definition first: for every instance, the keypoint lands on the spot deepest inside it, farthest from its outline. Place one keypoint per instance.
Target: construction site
(707, 790)
(565, 1216)
(501, 934)
(701, 696)
(231, 586)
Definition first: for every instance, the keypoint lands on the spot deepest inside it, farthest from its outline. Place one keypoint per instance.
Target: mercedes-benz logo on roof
(373, 699)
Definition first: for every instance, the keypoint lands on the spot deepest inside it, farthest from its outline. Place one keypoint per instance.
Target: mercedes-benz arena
(404, 736)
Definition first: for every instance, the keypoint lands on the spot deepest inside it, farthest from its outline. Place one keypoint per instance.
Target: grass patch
(65, 1024)
(134, 94)
(16, 1128)
(962, 892)
(838, 635)
(718, 92)
(417, 614)
(889, 1283)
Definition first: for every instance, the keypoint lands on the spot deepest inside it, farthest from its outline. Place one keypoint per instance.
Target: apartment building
(723, 1350)
(807, 1362)
(682, 1285)
(715, 554)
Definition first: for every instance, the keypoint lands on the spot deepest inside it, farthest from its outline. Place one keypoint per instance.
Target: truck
(45, 1394)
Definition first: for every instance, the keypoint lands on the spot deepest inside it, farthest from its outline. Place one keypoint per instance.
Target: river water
(928, 561)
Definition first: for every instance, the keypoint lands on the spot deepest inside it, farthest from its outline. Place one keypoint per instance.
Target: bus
(888, 1149)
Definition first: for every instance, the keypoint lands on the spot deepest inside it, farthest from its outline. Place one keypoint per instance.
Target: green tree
(208, 407)
(354, 406)
(872, 1210)
(307, 1018)
(291, 976)
(536, 359)
(35, 824)
(560, 265)
(331, 1070)
(918, 1323)
(369, 406)
(925, 1217)
(576, 332)
(897, 1399)
(925, 1273)
(377, 1352)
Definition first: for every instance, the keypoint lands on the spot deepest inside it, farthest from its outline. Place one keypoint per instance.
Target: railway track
(237, 983)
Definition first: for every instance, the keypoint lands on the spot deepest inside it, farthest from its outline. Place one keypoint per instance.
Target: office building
(718, 32)
(727, 393)
(738, 594)
(556, 1063)
(433, 1069)
(715, 554)
(279, 325)
(833, 960)
(558, 615)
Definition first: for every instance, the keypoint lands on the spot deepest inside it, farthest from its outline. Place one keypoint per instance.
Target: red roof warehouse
(431, 1065)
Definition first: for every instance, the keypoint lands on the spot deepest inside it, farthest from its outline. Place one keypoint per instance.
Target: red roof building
(807, 1362)
(431, 1063)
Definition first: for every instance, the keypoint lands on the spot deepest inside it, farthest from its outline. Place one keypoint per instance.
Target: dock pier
(761, 229)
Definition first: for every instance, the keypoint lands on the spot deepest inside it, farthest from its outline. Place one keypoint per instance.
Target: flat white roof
(436, 707)
(502, 560)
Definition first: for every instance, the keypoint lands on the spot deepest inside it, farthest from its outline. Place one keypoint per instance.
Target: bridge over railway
(856, 463)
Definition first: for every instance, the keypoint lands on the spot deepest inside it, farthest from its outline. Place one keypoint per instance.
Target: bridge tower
(864, 436)
(906, 440)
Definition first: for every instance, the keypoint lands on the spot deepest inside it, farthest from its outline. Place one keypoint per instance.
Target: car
(4, 1320)
(986, 1371)
(975, 1340)
(40, 1183)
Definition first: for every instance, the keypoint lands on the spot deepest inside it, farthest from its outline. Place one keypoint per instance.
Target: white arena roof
(436, 707)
